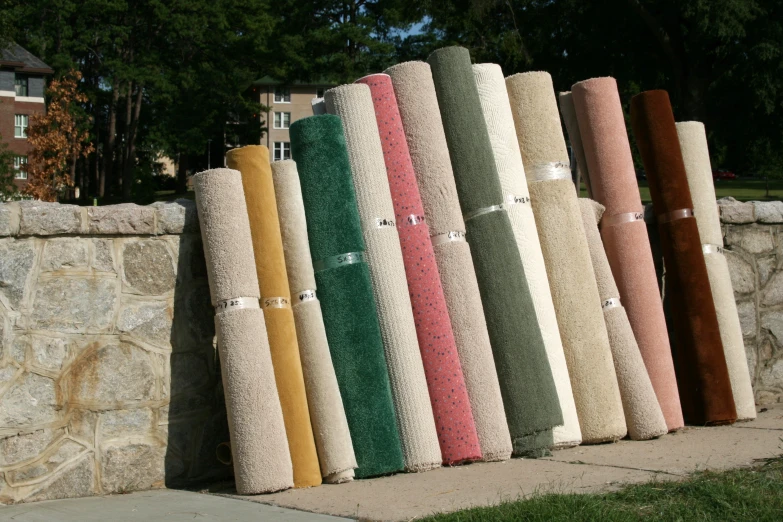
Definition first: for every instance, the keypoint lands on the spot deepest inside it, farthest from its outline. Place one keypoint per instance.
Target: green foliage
(7, 172)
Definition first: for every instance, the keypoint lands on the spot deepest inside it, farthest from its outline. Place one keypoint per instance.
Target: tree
(59, 139)
(7, 171)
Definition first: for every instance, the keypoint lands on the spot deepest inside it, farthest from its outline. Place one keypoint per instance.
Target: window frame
(279, 150)
(320, 91)
(282, 94)
(23, 126)
(281, 124)
(20, 173)
(26, 79)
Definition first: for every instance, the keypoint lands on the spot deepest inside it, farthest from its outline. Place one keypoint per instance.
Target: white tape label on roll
(708, 248)
(414, 219)
(236, 303)
(384, 223)
(339, 260)
(550, 171)
(448, 237)
(612, 302)
(513, 199)
(276, 302)
(305, 295)
(481, 211)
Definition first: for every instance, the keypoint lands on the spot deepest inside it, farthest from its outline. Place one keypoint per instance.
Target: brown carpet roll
(702, 375)
(567, 257)
(613, 180)
(642, 413)
(330, 426)
(696, 155)
(262, 462)
(253, 162)
(568, 111)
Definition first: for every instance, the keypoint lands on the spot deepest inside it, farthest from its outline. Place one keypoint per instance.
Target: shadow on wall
(197, 420)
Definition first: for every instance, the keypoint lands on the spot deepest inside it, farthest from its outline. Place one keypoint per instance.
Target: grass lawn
(746, 494)
(741, 189)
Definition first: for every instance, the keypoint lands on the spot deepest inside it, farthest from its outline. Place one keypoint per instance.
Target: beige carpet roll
(696, 155)
(505, 149)
(259, 446)
(418, 435)
(330, 426)
(567, 257)
(426, 140)
(643, 414)
(568, 111)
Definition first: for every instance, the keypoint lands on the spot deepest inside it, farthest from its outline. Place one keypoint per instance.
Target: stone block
(753, 239)
(752, 358)
(9, 219)
(126, 218)
(765, 266)
(75, 304)
(148, 267)
(771, 374)
(16, 448)
(194, 319)
(17, 258)
(40, 218)
(82, 425)
(49, 353)
(768, 211)
(773, 291)
(19, 348)
(148, 321)
(7, 374)
(743, 279)
(126, 423)
(30, 400)
(747, 317)
(67, 450)
(103, 255)
(735, 212)
(132, 466)
(177, 217)
(76, 480)
(772, 321)
(112, 376)
(67, 252)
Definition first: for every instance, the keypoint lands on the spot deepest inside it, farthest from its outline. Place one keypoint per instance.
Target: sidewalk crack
(648, 470)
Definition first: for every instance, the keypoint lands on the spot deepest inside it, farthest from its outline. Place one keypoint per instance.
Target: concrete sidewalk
(580, 470)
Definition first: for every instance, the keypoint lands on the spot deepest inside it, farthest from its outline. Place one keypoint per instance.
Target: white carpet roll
(426, 139)
(330, 426)
(259, 446)
(353, 103)
(696, 155)
(505, 148)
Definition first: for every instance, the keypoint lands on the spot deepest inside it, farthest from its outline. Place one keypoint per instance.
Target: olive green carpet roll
(262, 462)
(508, 160)
(253, 163)
(526, 381)
(418, 434)
(643, 414)
(567, 257)
(426, 140)
(345, 291)
(568, 111)
(330, 426)
(696, 155)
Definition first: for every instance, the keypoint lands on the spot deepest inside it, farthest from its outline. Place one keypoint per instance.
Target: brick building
(22, 84)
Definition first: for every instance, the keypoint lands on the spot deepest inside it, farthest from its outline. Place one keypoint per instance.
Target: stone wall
(108, 372)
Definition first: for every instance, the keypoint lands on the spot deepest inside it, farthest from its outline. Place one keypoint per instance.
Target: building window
(282, 150)
(320, 92)
(20, 85)
(20, 125)
(282, 95)
(18, 162)
(282, 120)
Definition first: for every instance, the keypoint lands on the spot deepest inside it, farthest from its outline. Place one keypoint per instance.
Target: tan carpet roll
(262, 462)
(505, 149)
(353, 103)
(424, 133)
(567, 257)
(643, 414)
(330, 426)
(696, 155)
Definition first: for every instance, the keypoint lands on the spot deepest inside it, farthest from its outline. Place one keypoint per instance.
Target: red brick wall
(8, 108)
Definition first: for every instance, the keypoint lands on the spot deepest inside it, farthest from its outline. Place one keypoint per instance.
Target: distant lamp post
(76, 193)
(209, 153)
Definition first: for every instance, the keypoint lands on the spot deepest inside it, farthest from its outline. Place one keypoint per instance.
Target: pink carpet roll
(624, 233)
(446, 384)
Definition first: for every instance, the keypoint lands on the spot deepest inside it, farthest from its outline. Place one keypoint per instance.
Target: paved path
(581, 469)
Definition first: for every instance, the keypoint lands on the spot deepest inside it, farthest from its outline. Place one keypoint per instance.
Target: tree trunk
(182, 173)
(107, 174)
(130, 156)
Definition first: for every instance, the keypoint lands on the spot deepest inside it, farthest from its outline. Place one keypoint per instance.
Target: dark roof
(268, 80)
(16, 56)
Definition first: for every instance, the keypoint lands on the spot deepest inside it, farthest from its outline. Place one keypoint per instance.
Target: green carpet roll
(528, 388)
(345, 291)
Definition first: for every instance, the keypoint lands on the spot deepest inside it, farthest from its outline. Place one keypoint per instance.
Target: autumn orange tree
(59, 138)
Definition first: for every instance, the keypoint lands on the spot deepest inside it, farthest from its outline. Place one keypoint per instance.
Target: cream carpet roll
(418, 435)
(505, 149)
(330, 426)
(567, 257)
(696, 155)
(259, 446)
(568, 111)
(643, 414)
(426, 140)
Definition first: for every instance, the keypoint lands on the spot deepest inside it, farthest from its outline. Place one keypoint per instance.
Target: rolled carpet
(567, 257)
(445, 382)
(696, 156)
(253, 163)
(614, 185)
(418, 105)
(419, 437)
(526, 381)
(508, 160)
(262, 461)
(702, 375)
(327, 415)
(643, 414)
(343, 278)
(568, 111)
